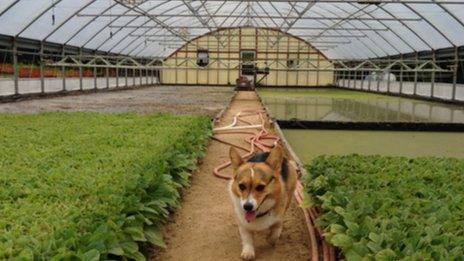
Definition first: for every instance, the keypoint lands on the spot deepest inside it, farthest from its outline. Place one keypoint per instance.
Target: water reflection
(373, 109)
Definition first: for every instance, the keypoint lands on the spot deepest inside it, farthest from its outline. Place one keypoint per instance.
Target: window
(248, 56)
(292, 63)
(202, 57)
(248, 62)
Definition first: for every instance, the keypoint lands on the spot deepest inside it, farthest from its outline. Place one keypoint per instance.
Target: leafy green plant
(390, 208)
(89, 186)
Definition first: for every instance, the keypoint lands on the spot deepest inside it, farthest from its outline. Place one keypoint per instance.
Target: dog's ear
(275, 158)
(235, 158)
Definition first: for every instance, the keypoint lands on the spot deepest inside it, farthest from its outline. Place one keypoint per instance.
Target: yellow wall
(273, 48)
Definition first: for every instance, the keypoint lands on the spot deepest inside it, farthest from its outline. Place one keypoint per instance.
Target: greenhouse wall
(53, 85)
(291, 60)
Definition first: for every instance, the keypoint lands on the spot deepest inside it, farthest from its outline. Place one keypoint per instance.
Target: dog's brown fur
(269, 187)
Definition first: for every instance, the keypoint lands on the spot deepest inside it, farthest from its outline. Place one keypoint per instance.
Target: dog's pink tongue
(250, 216)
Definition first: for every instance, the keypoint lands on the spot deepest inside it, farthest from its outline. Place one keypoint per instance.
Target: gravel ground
(171, 99)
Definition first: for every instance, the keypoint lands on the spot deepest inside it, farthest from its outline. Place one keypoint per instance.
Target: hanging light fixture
(53, 12)
(145, 33)
(165, 41)
(111, 20)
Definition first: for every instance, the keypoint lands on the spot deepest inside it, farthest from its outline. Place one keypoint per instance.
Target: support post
(107, 72)
(401, 77)
(15, 66)
(334, 79)
(81, 86)
(362, 79)
(432, 88)
(349, 79)
(117, 77)
(41, 68)
(455, 71)
(355, 78)
(125, 76)
(378, 81)
(415, 76)
(63, 69)
(352, 79)
(147, 76)
(344, 85)
(152, 76)
(388, 82)
(95, 86)
(133, 77)
(370, 81)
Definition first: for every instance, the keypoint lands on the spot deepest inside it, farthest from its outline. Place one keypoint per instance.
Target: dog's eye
(260, 187)
(241, 187)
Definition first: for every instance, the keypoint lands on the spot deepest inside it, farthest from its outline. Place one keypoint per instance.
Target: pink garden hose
(261, 139)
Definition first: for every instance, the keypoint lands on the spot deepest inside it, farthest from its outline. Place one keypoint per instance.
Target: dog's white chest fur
(260, 223)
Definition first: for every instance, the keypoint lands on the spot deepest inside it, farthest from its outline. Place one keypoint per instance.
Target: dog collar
(263, 214)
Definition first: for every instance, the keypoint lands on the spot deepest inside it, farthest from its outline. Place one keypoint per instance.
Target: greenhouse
(231, 130)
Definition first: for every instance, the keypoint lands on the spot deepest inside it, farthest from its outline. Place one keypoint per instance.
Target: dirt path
(205, 226)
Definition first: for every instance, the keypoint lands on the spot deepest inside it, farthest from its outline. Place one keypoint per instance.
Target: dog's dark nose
(248, 206)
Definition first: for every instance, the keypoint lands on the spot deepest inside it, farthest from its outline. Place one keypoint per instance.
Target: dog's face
(255, 184)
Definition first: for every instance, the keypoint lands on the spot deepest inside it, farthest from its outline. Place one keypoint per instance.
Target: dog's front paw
(248, 253)
(274, 234)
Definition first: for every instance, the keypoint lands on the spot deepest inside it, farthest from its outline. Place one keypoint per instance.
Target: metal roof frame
(167, 18)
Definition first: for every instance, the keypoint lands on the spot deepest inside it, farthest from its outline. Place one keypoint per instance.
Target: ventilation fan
(132, 2)
(370, 2)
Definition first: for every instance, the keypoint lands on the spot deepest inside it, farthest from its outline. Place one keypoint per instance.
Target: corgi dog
(261, 190)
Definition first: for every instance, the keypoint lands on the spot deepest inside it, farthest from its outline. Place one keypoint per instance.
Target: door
(248, 64)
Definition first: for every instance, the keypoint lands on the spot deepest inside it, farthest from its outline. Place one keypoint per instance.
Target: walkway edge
(328, 251)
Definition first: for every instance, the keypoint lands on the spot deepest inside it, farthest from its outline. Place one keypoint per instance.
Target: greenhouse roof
(340, 29)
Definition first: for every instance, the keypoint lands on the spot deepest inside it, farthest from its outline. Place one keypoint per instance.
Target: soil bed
(172, 99)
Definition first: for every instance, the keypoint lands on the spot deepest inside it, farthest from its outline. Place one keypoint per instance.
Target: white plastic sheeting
(55, 85)
(340, 29)
(443, 91)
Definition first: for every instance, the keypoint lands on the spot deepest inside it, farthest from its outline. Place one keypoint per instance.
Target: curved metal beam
(363, 22)
(153, 18)
(390, 29)
(148, 30)
(407, 27)
(376, 32)
(117, 31)
(67, 20)
(430, 23)
(235, 8)
(450, 13)
(338, 33)
(353, 33)
(167, 27)
(86, 24)
(212, 10)
(37, 17)
(9, 7)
